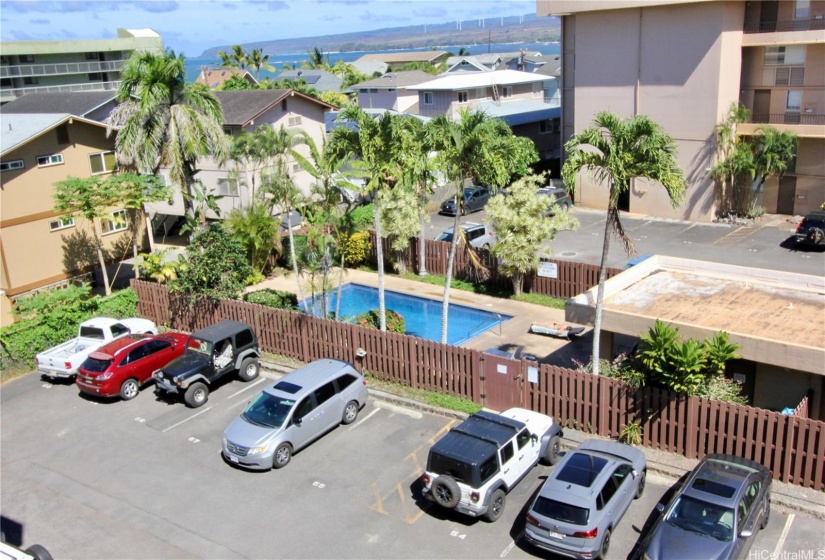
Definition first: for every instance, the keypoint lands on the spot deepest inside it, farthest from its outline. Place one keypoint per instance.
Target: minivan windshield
(268, 410)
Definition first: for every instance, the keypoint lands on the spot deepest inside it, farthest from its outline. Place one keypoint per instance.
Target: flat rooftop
(775, 317)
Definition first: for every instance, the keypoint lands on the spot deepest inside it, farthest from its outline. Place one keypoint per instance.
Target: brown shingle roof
(216, 78)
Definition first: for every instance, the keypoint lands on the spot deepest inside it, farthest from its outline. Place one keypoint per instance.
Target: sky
(191, 26)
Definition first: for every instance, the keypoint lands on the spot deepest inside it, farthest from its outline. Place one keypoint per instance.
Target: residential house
(41, 248)
(370, 67)
(524, 61)
(246, 110)
(91, 105)
(215, 78)
(684, 63)
(390, 91)
(319, 80)
(525, 101)
(70, 66)
(779, 366)
(398, 59)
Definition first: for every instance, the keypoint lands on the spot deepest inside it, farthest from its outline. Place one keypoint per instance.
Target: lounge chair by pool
(553, 329)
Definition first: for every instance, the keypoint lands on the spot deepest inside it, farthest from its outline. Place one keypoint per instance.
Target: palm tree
(237, 58)
(254, 227)
(164, 122)
(316, 60)
(475, 146)
(375, 143)
(615, 151)
(258, 60)
(774, 151)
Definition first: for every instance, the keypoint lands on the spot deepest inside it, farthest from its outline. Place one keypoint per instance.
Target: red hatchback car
(124, 365)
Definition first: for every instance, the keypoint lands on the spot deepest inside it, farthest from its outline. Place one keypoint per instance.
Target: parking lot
(145, 479)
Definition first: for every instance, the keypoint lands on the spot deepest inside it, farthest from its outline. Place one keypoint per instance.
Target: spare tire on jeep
(446, 492)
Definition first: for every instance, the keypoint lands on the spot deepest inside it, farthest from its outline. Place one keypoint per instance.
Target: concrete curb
(786, 497)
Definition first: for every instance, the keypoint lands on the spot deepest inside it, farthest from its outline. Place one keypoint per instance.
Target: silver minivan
(293, 412)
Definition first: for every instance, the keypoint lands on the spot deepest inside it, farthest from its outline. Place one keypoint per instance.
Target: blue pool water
(422, 317)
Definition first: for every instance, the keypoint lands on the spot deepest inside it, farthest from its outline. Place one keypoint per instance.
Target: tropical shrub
(371, 319)
(279, 299)
(362, 217)
(156, 266)
(356, 248)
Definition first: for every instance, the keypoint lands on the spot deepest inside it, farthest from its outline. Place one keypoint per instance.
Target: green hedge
(278, 299)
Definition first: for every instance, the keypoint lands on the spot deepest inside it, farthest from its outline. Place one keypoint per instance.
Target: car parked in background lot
(478, 235)
(293, 412)
(716, 512)
(811, 230)
(559, 199)
(123, 366)
(473, 199)
(585, 497)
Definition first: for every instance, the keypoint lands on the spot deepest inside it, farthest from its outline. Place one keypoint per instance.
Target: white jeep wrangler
(473, 467)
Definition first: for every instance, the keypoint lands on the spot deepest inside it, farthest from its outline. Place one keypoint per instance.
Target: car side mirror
(534, 437)
(746, 534)
(660, 508)
(634, 473)
(297, 420)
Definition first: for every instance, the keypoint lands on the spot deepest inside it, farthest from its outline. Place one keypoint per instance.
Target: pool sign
(549, 270)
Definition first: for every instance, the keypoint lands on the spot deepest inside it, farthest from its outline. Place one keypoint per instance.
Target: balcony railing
(89, 86)
(780, 26)
(788, 118)
(61, 68)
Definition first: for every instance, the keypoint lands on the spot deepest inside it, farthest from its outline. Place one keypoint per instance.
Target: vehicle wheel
(641, 489)
(496, 507)
(196, 395)
(39, 552)
(446, 492)
(129, 389)
(816, 235)
(605, 545)
(250, 368)
(767, 513)
(551, 454)
(350, 412)
(282, 456)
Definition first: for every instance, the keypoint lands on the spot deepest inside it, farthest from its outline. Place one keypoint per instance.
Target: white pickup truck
(64, 359)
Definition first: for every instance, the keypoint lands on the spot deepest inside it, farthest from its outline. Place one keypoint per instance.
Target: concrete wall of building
(406, 100)
(624, 64)
(776, 388)
(446, 102)
(377, 99)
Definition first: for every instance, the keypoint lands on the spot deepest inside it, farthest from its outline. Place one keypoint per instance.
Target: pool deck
(513, 332)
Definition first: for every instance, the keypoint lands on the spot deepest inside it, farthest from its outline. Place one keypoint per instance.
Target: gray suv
(585, 497)
(293, 412)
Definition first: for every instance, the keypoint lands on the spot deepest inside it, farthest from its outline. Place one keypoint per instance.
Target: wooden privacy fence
(572, 278)
(792, 447)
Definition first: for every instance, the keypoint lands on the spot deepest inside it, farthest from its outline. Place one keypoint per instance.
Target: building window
(12, 165)
(295, 121)
(95, 77)
(296, 168)
(61, 223)
(546, 127)
(463, 97)
(92, 56)
(103, 162)
(46, 161)
(481, 93)
(227, 131)
(4, 59)
(26, 58)
(793, 55)
(802, 9)
(364, 90)
(228, 187)
(31, 81)
(5, 82)
(428, 98)
(283, 105)
(507, 92)
(62, 132)
(794, 100)
(115, 221)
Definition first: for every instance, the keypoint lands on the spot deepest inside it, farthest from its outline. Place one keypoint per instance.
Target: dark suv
(473, 199)
(211, 353)
(811, 230)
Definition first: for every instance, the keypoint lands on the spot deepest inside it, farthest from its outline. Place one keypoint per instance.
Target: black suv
(473, 467)
(473, 199)
(211, 353)
(811, 230)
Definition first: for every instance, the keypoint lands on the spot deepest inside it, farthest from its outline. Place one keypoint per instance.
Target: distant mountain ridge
(512, 29)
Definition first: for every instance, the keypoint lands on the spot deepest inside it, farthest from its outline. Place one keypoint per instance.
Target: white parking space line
(207, 409)
(362, 420)
(399, 410)
(508, 549)
(783, 536)
(245, 389)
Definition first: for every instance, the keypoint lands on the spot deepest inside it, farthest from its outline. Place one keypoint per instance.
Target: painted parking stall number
(319, 484)
(458, 535)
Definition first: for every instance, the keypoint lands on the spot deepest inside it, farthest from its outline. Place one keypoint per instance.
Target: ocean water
(194, 65)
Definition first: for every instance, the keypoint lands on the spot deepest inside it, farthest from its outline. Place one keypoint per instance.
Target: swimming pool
(422, 317)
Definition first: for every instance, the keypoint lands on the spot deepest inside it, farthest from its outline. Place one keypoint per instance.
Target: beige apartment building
(39, 248)
(683, 63)
(70, 66)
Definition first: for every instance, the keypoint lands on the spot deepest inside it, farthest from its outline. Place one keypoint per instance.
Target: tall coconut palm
(316, 60)
(614, 151)
(257, 61)
(236, 58)
(774, 150)
(164, 122)
(475, 146)
(375, 143)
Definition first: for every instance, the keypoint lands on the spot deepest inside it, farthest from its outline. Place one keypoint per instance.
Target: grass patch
(434, 399)
(541, 299)
(467, 286)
